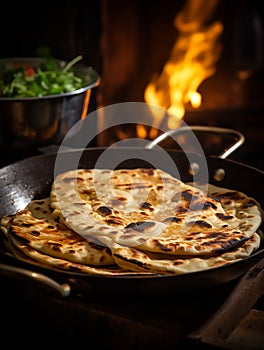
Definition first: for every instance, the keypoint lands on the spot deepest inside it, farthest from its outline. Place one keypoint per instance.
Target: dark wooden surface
(36, 317)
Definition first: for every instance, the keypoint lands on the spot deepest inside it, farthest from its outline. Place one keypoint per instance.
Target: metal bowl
(39, 121)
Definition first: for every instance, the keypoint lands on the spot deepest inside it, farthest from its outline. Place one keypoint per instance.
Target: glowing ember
(192, 60)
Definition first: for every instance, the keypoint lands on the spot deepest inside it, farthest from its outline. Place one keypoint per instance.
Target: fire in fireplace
(204, 64)
(191, 61)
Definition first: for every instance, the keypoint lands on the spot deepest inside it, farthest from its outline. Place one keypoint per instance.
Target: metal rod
(239, 138)
(63, 289)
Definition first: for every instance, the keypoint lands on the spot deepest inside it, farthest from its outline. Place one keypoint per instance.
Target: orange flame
(192, 60)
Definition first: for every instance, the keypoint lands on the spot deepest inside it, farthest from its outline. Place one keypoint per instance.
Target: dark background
(128, 41)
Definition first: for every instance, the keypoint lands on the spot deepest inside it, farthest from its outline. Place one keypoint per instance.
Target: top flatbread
(152, 211)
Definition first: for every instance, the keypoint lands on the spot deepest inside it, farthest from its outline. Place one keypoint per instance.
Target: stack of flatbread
(133, 221)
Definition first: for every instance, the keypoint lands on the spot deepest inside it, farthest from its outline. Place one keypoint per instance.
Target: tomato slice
(29, 70)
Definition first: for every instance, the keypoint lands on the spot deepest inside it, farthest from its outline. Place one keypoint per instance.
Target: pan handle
(63, 289)
(239, 138)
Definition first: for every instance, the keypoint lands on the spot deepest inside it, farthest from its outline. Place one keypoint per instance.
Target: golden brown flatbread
(133, 222)
(25, 253)
(36, 228)
(149, 209)
(138, 260)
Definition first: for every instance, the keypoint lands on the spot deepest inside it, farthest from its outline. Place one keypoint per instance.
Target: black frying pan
(31, 178)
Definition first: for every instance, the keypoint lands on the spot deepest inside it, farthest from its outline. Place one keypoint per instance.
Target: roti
(138, 260)
(133, 222)
(35, 227)
(25, 253)
(151, 210)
